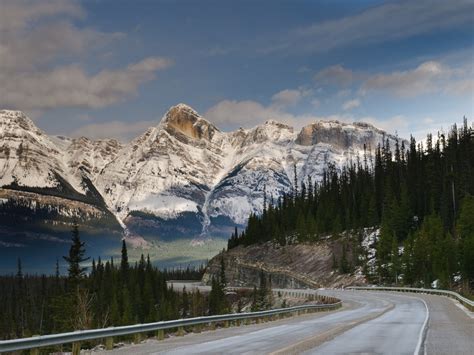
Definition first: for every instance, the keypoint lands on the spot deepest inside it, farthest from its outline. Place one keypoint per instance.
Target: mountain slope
(182, 178)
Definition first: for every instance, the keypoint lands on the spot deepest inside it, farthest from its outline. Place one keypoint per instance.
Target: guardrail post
(34, 351)
(137, 338)
(180, 331)
(160, 334)
(76, 348)
(109, 343)
(197, 328)
(238, 323)
(226, 324)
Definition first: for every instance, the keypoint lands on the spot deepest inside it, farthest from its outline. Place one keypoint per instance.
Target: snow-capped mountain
(183, 177)
(28, 157)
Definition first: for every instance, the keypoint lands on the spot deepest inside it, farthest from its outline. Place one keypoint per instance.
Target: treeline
(107, 293)
(189, 273)
(420, 195)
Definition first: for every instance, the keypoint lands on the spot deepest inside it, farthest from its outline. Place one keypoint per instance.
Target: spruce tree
(76, 256)
(124, 266)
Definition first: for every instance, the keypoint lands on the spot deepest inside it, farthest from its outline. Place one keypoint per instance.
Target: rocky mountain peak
(342, 135)
(18, 119)
(182, 172)
(182, 119)
(273, 123)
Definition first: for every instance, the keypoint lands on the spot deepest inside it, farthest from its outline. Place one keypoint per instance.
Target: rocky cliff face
(291, 266)
(183, 177)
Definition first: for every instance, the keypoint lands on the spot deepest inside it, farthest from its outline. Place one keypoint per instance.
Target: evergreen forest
(107, 293)
(420, 195)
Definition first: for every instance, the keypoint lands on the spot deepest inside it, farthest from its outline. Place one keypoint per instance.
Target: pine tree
(76, 256)
(124, 265)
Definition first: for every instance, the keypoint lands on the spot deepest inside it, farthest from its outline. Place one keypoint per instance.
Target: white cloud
(287, 97)
(39, 48)
(248, 113)
(231, 114)
(421, 80)
(428, 77)
(290, 97)
(350, 104)
(245, 113)
(15, 13)
(121, 130)
(334, 75)
(71, 86)
(461, 87)
(34, 34)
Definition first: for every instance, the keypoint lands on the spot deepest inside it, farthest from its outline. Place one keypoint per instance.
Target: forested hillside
(107, 293)
(420, 195)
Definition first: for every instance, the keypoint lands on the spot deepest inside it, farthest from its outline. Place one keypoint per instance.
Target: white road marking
(422, 334)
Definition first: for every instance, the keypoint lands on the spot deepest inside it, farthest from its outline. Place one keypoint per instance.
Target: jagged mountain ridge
(183, 177)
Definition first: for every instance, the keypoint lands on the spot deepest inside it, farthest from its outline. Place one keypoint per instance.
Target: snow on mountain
(90, 157)
(168, 170)
(184, 175)
(28, 157)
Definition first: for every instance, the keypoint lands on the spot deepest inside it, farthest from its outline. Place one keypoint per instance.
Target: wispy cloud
(383, 23)
(428, 77)
(350, 104)
(413, 82)
(289, 97)
(334, 75)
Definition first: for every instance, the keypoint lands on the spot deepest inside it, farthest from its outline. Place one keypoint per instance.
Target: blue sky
(112, 68)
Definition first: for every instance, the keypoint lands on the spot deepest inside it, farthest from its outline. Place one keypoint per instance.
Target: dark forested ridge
(421, 195)
(105, 294)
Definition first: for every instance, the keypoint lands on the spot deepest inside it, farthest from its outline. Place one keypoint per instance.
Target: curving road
(369, 323)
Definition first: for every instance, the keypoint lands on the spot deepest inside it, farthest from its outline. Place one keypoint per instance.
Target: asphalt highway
(369, 323)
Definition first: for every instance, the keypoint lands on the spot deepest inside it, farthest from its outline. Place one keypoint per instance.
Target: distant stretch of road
(369, 323)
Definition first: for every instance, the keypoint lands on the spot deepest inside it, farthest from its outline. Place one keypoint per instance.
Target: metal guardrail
(108, 333)
(463, 300)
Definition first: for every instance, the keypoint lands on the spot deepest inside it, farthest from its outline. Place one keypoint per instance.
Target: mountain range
(183, 178)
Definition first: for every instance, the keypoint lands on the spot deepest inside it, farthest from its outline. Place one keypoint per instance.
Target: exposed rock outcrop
(291, 266)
